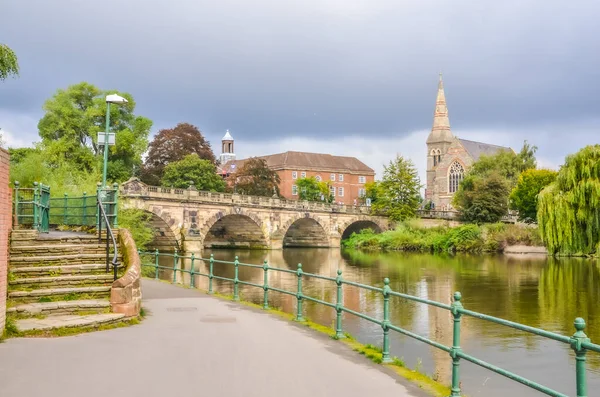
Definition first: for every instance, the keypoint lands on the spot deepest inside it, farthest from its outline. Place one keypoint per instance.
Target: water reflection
(537, 291)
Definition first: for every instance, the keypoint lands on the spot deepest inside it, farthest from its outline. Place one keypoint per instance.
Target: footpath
(192, 344)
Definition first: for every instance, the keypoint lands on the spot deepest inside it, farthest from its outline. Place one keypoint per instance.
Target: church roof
(477, 149)
(227, 137)
(440, 132)
(313, 161)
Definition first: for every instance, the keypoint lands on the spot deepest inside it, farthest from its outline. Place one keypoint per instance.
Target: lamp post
(112, 98)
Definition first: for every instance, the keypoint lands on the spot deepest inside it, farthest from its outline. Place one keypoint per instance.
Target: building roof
(440, 131)
(227, 137)
(310, 161)
(477, 149)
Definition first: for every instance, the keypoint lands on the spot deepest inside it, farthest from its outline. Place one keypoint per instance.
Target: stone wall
(5, 227)
(126, 292)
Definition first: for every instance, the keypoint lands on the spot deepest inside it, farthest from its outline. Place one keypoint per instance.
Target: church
(448, 157)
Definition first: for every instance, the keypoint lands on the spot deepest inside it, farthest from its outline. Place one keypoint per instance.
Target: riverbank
(410, 236)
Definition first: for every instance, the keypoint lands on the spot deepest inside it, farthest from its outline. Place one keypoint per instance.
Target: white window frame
(362, 192)
(341, 177)
(294, 174)
(332, 190)
(340, 191)
(294, 190)
(318, 178)
(362, 179)
(332, 177)
(303, 174)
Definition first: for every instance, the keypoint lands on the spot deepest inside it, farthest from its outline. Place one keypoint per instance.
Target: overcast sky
(347, 77)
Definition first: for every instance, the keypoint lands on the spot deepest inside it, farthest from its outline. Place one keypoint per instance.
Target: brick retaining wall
(5, 227)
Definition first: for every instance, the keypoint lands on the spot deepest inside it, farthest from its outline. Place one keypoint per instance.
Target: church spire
(440, 132)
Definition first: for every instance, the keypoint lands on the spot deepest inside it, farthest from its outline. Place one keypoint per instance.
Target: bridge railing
(579, 342)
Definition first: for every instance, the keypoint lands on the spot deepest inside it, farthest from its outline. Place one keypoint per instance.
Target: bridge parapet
(135, 188)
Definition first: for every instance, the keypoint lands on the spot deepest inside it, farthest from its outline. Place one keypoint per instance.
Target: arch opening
(235, 231)
(305, 232)
(164, 239)
(358, 226)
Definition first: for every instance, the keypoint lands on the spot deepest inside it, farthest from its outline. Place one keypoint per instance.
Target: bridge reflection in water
(537, 291)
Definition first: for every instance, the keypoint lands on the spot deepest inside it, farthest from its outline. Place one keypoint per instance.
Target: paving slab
(67, 320)
(194, 345)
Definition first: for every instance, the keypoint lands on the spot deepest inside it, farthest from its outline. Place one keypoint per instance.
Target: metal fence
(579, 342)
(31, 206)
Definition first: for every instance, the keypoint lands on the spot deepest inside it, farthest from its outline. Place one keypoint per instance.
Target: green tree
(202, 173)
(506, 163)
(398, 192)
(483, 199)
(255, 178)
(312, 190)
(173, 144)
(74, 117)
(569, 208)
(524, 196)
(9, 65)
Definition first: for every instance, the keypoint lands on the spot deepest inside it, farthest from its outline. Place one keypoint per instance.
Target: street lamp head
(114, 98)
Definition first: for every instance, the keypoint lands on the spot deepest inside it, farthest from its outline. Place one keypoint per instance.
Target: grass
(371, 352)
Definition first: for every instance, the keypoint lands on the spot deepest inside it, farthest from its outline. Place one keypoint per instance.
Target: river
(537, 291)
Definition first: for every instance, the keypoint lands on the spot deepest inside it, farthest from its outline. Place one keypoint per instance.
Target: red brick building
(347, 175)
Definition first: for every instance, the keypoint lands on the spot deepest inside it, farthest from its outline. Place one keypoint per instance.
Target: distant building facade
(347, 175)
(448, 157)
(227, 152)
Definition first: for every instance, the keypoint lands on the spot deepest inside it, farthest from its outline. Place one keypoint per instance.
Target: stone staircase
(58, 280)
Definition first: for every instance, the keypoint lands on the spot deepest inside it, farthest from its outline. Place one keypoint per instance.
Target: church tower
(227, 153)
(439, 140)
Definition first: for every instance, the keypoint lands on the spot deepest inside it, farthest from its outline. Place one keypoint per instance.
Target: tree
(193, 169)
(569, 208)
(9, 65)
(173, 144)
(256, 178)
(398, 192)
(74, 117)
(312, 190)
(483, 199)
(524, 197)
(506, 163)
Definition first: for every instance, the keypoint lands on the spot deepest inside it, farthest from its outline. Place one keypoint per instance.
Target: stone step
(71, 259)
(58, 249)
(55, 294)
(41, 271)
(60, 307)
(61, 281)
(67, 321)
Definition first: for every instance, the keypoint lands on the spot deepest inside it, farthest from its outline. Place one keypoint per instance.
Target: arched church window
(456, 174)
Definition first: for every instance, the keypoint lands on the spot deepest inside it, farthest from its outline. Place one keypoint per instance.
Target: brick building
(347, 175)
(5, 227)
(448, 157)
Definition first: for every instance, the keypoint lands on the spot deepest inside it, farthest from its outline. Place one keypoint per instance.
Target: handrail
(579, 342)
(115, 262)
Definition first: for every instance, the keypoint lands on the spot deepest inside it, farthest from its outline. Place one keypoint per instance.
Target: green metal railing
(579, 342)
(35, 208)
(32, 206)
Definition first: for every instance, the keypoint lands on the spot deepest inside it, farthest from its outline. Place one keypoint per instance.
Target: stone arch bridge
(191, 220)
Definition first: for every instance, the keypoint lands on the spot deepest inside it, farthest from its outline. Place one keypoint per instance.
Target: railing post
(115, 206)
(175, 256)
(35, 205)
(192, 272)
(84, 210)
(66, 200)
(385, 352)
(98, 219)
(456, 306)
(577, 341)
(156, 264)
(299, 316)
(265, 286)
(107, 251)
(339, 303)
(236, 287)
(16, 220)
(211, 263)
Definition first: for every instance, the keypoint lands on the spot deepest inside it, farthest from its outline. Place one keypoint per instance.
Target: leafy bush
(138, 223)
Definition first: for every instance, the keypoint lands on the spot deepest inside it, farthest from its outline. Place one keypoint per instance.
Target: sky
(346, 77)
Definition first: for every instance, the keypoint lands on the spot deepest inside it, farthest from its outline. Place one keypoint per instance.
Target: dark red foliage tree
(171, 145)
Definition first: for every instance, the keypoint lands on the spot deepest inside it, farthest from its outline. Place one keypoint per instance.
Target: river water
(537, 291)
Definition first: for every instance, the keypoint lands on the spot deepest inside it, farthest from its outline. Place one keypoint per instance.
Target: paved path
(193, 345)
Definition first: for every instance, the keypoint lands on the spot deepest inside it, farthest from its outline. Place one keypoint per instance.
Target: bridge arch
(358, 224)
(305, 231)
(234, 228)
(166, 231)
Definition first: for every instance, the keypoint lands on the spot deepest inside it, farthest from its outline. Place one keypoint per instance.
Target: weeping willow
(569, 208)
